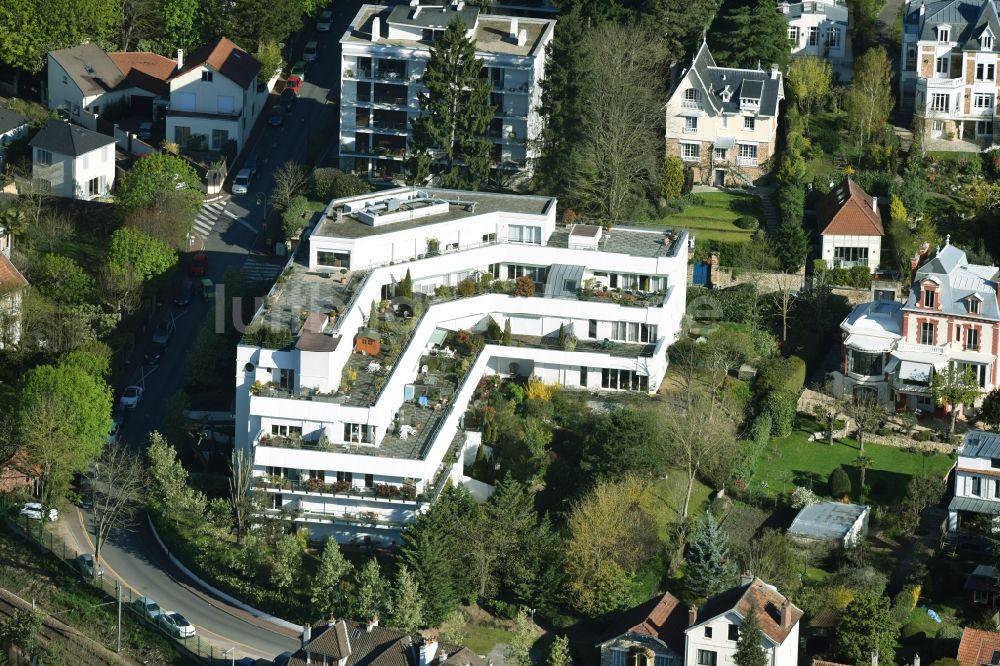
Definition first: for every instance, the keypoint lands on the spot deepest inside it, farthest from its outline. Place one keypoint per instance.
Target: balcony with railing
(746, 161)
(340, 489)
(391, 70)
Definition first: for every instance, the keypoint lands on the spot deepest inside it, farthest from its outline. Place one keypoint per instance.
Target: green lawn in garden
(794, 461)
(713, 219)
(667, 501)
(482, 638)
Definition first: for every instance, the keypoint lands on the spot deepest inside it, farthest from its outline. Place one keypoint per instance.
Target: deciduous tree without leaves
(117, 482)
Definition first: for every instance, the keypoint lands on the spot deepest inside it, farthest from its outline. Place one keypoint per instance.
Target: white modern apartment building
(723, 122)
(949, 68)
(821, 28)
(977, 479)
(384, 54)
(354, 431)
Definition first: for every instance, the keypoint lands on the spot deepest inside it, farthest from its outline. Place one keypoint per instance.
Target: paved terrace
(633, 242)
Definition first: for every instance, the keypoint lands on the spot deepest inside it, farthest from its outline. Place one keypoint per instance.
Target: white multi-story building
(72, 161)
(723, 122)
(948, 71)
(384, 54)
(821, 28)
(950, 318)
(977, 479)
(354, 431)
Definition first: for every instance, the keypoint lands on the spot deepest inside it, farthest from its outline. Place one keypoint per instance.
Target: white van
(324, 21)
(311, 52)
(241, 184)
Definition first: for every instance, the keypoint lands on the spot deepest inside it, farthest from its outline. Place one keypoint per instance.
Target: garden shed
(844, 525)
(368, 341)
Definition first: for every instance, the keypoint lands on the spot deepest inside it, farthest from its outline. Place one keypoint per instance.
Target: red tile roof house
(648, 635)
(978, 647)
(851, 227)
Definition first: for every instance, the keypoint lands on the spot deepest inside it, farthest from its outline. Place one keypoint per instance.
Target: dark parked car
(183, 297)
(163, 331)
(154, 353)
(288, 98)
(277, 116)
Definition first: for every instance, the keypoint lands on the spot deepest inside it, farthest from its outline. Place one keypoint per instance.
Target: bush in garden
(840, 483)
(780, 405)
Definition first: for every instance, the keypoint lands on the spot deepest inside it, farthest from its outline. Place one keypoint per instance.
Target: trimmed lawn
(668, 501)
(713, 219)
(794, 461)
(481, 639)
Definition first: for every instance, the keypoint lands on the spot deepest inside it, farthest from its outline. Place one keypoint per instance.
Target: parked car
(207, 290)
(154, 353)
(241, 184)
(324, 21)
(198, 265)
(148, 608)
(288, 98)
(116, 426)
(311, 51)
(276, 117)
(294, 83)
(163, 331)
(299, 70)
(175, 625)
(86, 564)
(33, 510)
(183, 296)
(145, 130)
(131, 396)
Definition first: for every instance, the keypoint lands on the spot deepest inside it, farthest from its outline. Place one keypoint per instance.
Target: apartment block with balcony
(950, 319)
(355, 429)
(384, 54)
(723, 122)
(821, 28)
(977, 480)
(948, 74)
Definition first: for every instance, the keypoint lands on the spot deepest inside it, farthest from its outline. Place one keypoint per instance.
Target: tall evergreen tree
(371, 592)
(328, 583)
(792, 246)
(708, 569)
(751, 35)
(749, 648)
(407, 612)
(456, 114)
(425, 554)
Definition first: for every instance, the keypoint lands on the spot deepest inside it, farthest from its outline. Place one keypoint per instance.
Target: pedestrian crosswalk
(259, 269)
(207, 217)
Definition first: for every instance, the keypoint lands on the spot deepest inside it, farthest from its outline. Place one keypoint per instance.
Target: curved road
(135, 558)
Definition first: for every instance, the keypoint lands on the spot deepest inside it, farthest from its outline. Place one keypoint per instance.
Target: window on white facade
(926, 333)
(813, 36)
(720, 153)
(623, 380)
(286, 379)
(794, 34)
(973, 306)
(833, 39)
(734, 632)
(708, 632)
(867, 364)
(219, 138)
(845, 257)
(749, 122)
(225, 104)
(519, 233)
(94, 187)
(706, 658)
(85, 161)
(619, 657)
(940, 102)
(185, 101)
(943, 65)
(972, 339)
(690, 152)
(206, 75)
(987, 42)
(748, 154)
(286, 430)
(981, 101)
(690, 125)
(985, 72)
(943, 33)
(43, 157)
(358, 432)
(692, 99)
(978, 371)
(928, 298)
(977, 486)
(104, 154)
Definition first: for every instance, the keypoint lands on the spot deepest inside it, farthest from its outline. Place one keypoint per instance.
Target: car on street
(276, 117)
(311, 52)
(116, 426)
(163, 331)
(85, 563)
(34, 511)
(241, 184)
(288, 99)
(294, 83)
(183, 296)
(324, 21)
(175, 625)
(131, 396)
(145, 130)
(198, 265)
(148, 608)
(154, 353)
(299, 70)
(207, 290)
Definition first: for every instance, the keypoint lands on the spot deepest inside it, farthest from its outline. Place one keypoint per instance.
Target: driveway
(233, 241)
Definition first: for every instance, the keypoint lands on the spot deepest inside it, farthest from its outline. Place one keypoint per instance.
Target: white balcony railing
(690, 104)
(690, 130)
(746, 161)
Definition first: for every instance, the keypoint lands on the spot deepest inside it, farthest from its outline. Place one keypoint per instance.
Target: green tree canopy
(371, 592)
(809, 79)
(627, 440)
(407, 607)
(139, 254)
(953, 387)
(456, 113)
(708, 569)
(867, 626)
(425, 553)
(155, 175)
(869, 100)
(62, 279)
(671, 177)
(750, 644)
(29, 29)
(750, 36)
(329, 584)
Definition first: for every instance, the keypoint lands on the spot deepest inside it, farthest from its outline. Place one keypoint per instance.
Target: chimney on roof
(306, 637)
(427, 652)
(921, 9)
(522, 37)
(372, 623)
(746, 578)
(180, 58)
(442, 657)
(512, 33)
(786, 614)
(416, 11)
(775, 72)
(692, 616)
(376, 29)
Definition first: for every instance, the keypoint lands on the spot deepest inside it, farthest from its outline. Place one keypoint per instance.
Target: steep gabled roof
(978, 647)
(966, 18)
(662, 617)
(376, 646)
(90, 68)
(847, 210)
(226, 58)
(758, 595)
(958, 280)
(65, 138)
(987, 20)
(10, 278)
(711, 80)
(10, 120)
(149, 71)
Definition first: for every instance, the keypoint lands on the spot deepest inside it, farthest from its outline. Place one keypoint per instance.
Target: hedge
(780, 406)
(781, 374)
(840, 483)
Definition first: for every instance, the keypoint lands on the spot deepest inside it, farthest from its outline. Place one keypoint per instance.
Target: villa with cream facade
(354, 430)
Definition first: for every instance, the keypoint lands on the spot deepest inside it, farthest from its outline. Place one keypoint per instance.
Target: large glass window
(519, 233)
(706, 657)
(926, 333)
(866, 363)
(850, 256)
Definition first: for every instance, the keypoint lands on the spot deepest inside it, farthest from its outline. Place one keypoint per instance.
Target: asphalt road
(235, 241)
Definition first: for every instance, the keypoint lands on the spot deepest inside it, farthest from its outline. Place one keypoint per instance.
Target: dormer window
(986, 40)
(974, 303)
(928, 298)
(944, 33)
(726, 94)
(748, 103)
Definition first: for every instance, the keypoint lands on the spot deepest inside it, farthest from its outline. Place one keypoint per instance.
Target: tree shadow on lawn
(885, 487)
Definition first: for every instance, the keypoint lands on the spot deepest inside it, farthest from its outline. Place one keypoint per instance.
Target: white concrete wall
(785, 654)
(69, 178)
